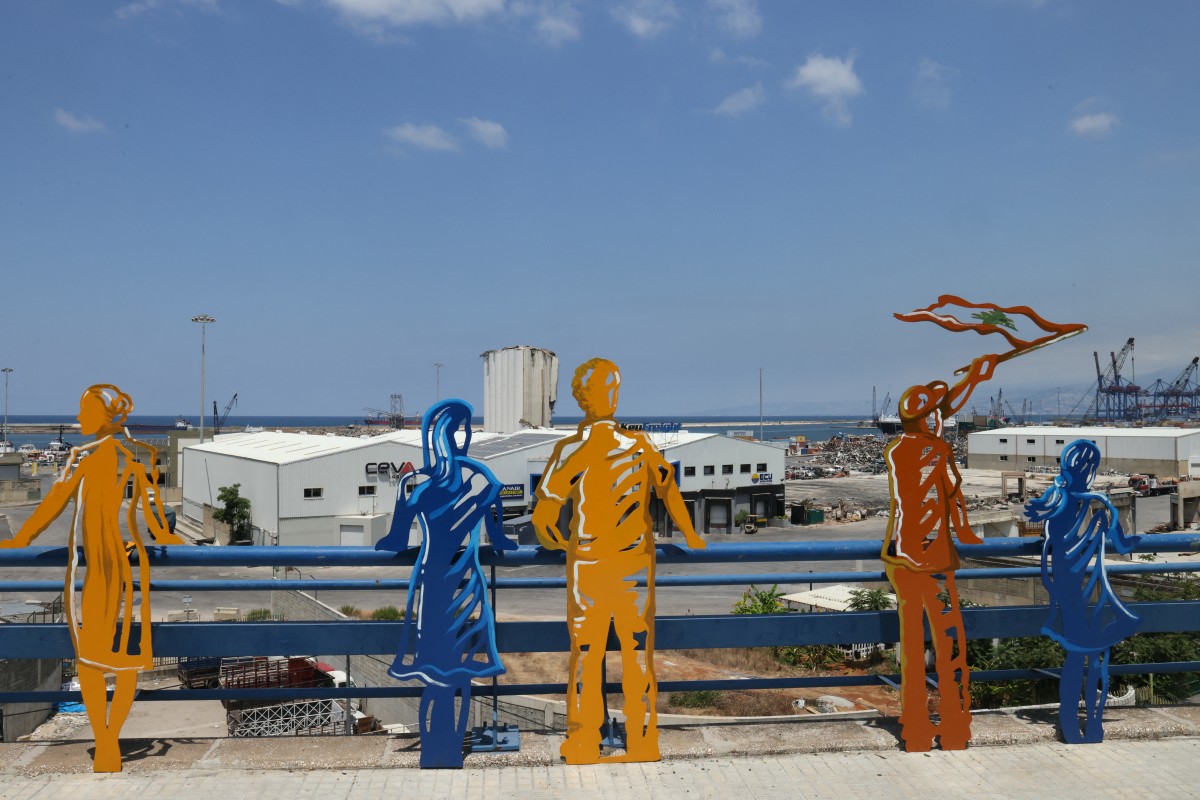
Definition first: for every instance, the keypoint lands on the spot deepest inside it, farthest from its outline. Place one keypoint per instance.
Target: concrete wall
(1163, 452)
(27, 675)
(23, 491)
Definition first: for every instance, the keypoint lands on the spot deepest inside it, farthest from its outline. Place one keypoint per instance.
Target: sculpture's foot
(1093, 732)
(642, 754)
(107, 757)
(917, 738)
(953, 742)
(576, 751)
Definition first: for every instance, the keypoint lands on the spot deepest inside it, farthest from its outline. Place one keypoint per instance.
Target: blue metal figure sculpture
(448, 627)
(1074, 541)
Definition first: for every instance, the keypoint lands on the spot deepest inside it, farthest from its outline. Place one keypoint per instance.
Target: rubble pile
(861, 454)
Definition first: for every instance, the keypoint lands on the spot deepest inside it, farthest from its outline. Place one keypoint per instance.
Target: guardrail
(361, 637)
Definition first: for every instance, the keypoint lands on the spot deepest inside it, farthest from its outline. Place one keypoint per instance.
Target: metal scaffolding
(299, 718)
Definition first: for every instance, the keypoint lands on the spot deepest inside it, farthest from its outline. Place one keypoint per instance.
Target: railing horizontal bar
(737, 579)
(725, 684)
(371, 637)
(715, 553)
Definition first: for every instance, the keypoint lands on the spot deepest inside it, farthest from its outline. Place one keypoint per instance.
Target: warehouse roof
(1091, 432)
(279, 447)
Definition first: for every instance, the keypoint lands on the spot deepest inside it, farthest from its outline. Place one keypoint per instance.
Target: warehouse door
(353, 536)
(717, 513)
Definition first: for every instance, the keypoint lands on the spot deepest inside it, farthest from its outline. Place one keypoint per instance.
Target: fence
(31, 640)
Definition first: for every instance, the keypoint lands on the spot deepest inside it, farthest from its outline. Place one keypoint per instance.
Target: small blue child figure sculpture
(1087, 630)
(449, 625)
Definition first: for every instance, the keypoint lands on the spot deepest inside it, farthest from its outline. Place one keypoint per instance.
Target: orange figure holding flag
(926, 503)
(101, 619)
(608, 472)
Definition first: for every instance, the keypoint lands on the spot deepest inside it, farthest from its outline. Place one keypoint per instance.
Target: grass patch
(700, 698)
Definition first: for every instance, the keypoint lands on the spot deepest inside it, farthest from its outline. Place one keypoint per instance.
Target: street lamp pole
(437, 392)
(6, 371)
(760, 405)
(204, 320)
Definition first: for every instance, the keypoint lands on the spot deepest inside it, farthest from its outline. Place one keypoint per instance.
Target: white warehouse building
(1166, 452)
(336, 490)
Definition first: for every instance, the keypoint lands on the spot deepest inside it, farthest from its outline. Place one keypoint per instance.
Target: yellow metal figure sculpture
(100, 619)
(607, 473)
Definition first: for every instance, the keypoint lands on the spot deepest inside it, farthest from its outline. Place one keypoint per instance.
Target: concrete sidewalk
(1146, 770)
(1148, 752)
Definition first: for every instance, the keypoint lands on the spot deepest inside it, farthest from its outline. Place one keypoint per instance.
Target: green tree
(1156, 648)
(870, 600)
(235, 514)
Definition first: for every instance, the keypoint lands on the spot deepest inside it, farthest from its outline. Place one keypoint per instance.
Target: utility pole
(7, 371)
(204, 320)
(437, 392)
(760, 404)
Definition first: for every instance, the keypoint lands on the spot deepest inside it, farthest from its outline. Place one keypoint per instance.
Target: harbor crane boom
(219, 421)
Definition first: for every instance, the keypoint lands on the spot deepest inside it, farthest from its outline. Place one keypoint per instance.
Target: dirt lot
(673, 665)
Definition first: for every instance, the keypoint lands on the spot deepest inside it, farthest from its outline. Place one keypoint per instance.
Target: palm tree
(871, 600)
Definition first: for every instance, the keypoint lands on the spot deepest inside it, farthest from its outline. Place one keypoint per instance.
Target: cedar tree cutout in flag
(1024, 329)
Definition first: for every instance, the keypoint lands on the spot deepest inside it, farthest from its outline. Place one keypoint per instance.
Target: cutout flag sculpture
(926, 504)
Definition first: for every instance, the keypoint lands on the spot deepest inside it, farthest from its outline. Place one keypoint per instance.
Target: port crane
(395, 417)
(219, 420)
(1180, 398)
(1115, 397)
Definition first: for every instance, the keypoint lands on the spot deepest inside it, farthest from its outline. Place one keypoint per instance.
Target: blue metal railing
(688, 632)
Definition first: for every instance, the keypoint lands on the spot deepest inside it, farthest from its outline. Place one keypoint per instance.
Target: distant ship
(889, 424)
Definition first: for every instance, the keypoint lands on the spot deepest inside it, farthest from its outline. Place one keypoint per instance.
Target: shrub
(700, 698)
(387, 612)
(259, 615)
(349, 610)
(761, 601)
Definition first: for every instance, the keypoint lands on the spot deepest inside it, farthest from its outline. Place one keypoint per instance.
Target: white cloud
(139, 7)
(831, 80)
(646, 19)
(931, 88)
(739, 18)
(559, 28)
(557, 22)
(415, 12)
(718, 56)
(489, 134)
(1095, 125)
(424, 137)
(741, 101)
(76, 124)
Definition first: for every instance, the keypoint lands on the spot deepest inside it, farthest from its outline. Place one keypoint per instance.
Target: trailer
(247, 717)
(1151, 485)
(199, 673)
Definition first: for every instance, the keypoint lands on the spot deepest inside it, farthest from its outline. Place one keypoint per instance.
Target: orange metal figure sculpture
(926, 502)
(101, 619)
(607, 473)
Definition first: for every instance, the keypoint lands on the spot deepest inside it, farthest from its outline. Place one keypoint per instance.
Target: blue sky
(357, 189)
